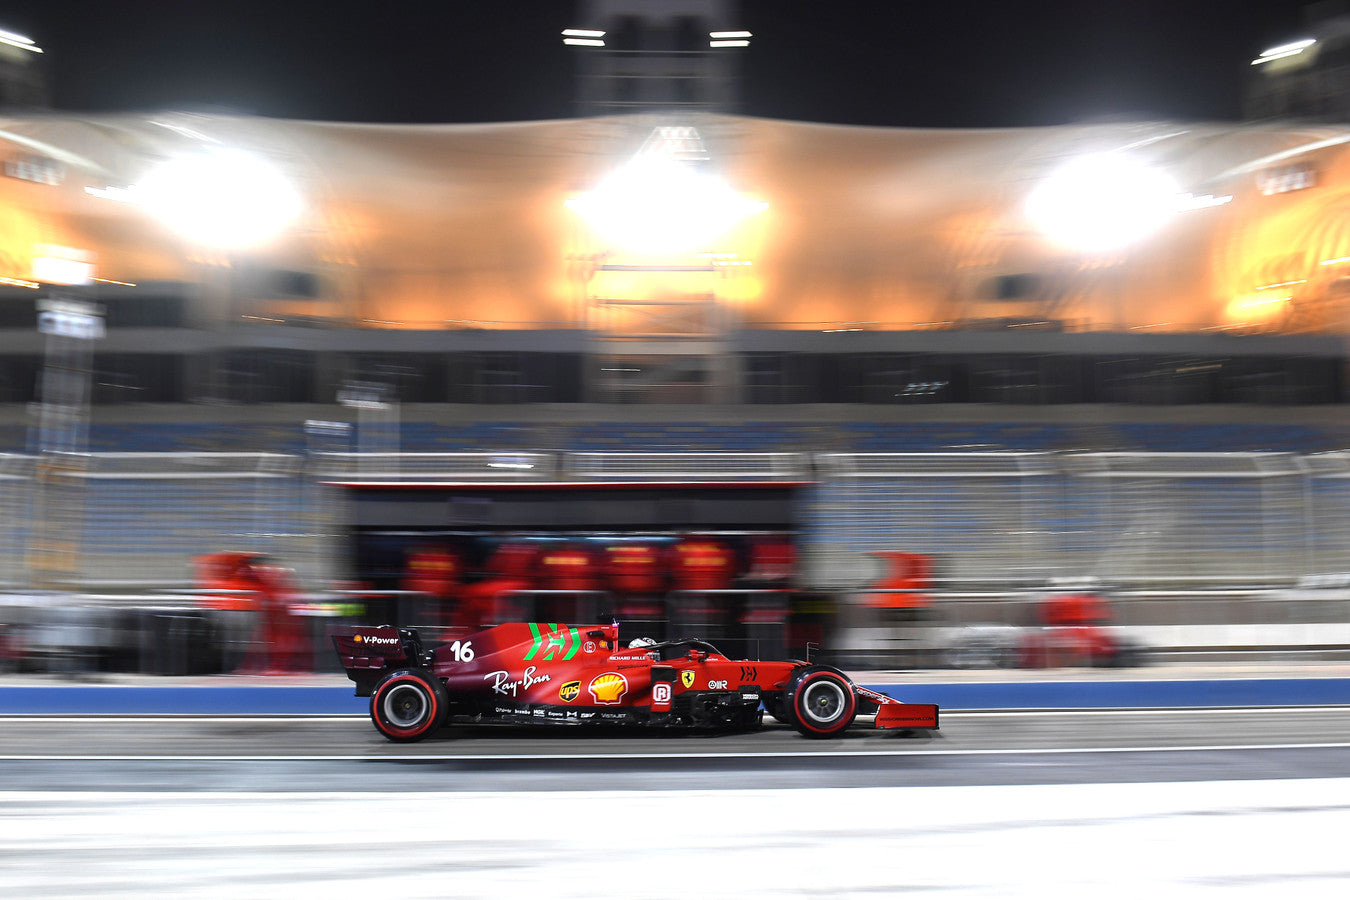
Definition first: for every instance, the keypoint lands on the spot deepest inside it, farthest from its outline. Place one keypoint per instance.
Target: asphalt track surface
(1248, 802)
(344, 753)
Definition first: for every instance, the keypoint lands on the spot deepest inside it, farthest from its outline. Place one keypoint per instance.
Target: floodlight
(1102, 201)
(224, 198)
(22, 42)
(54, 264)
(1284, 51)
(662, 205)
(1259, 308)
(583, 37)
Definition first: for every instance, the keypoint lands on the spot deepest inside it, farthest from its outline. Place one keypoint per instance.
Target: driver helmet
(641, 642)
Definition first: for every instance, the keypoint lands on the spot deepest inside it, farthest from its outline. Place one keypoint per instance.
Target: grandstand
(471, 281)
(953, 333)
(1169, 430)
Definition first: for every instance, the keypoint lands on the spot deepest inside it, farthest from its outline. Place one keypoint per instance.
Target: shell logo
(357, 638)
(608, 689)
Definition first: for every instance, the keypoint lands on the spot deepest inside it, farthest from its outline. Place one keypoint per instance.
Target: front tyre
(408, 705)
(822, 703)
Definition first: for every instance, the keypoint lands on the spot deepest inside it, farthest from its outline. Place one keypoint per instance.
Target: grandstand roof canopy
(876, 228)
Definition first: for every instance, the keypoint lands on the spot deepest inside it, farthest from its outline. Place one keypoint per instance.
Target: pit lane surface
(1162, 803)
(345, 753)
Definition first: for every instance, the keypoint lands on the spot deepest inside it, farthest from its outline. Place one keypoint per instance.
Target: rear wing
(367, 652)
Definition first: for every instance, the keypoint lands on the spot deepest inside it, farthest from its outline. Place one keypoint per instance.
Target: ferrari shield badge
(687, 678)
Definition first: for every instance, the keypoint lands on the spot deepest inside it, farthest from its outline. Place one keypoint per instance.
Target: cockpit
(666, 650)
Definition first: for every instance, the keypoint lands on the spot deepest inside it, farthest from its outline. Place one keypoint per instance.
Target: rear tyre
(408, 705)
(822, 703)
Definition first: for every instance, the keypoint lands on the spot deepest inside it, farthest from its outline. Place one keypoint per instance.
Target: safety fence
(1175, 519)
(987, 519)
(16, 514)
(113, 520)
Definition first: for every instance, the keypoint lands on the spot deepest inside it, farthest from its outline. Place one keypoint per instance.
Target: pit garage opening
(715, 560)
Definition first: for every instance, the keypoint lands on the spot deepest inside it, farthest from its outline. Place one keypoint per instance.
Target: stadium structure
(669, 278)
(258, 261)
(661, 251)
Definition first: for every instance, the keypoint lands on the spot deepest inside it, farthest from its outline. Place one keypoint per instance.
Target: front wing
(892, 713)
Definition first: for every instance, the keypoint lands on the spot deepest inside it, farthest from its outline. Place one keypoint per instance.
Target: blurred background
(1062, 395)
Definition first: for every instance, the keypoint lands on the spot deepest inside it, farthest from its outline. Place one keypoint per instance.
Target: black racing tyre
(1127, 656)
(822, 702)
(408, 705)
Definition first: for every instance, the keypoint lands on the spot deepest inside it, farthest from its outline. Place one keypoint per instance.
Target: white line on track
(327, 718)
(554, 757)
(319, 718)
(1133, 711)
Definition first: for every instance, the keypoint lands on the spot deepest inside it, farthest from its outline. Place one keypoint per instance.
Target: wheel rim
(405, 706)
(823, 702)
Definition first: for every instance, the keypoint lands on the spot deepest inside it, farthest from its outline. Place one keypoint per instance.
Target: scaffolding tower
(639, 56)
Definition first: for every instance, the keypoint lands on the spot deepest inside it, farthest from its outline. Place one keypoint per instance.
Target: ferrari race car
(578, 674)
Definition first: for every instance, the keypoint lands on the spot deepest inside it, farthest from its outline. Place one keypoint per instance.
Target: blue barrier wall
(1129, 694)
(120, 700)
(338, 700)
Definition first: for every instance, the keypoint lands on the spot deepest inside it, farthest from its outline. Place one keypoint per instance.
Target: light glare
(583, 42)
(18, 40)
(582, 33)
(728, 43)
(54, 264)
(222, 198)
(1262, 60)
(53, 270)
(112, 192)
(724, 35)
(1102, 201)
(1202, 201)
(1293, 45)
(1283, 51)
(660, 205)
(1257, 309)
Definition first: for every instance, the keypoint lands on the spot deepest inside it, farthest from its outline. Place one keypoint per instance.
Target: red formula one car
(577, 674)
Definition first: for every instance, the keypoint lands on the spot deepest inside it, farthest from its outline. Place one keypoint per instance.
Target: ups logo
(568, 692)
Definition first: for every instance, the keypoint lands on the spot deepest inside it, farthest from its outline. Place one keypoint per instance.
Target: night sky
(959, 63)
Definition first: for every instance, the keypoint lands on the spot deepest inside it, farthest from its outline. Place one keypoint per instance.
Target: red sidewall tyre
(408, 706)
(823, 703)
